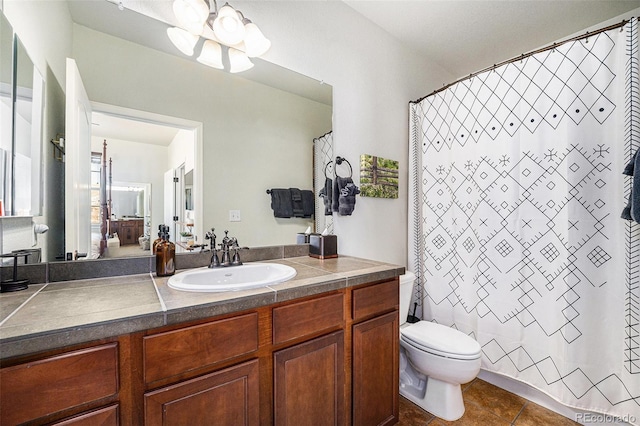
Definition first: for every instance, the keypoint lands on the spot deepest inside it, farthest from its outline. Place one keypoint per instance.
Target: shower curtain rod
(526, 55)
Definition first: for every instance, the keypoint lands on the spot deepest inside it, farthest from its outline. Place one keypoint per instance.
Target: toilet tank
(406, 290)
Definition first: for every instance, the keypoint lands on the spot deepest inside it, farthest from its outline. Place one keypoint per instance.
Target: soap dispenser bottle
(161, 229)
(165, 256)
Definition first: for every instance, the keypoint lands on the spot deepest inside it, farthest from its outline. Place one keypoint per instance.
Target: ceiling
(113, 127)
(464, 36)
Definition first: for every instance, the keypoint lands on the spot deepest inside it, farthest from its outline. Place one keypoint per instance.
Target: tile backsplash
(86, 269)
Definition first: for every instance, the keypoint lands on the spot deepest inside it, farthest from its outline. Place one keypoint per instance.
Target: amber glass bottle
(165, 256)
(161, 230)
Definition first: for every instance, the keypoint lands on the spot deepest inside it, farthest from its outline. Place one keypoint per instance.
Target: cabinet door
(309, 382)
(375, 371)
(226, 397)
(127, 230)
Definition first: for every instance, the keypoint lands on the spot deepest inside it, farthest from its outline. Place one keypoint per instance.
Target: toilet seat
(440, 340)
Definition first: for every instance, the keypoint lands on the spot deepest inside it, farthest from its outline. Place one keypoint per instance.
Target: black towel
(632, 210)
(335, 193)
(326, 194)
(281, 203)
(347, 195)
(296, 201)
(308, 203)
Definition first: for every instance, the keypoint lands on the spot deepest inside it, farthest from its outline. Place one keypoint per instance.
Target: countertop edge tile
(290, 293)
(40, 342)
(197, 312)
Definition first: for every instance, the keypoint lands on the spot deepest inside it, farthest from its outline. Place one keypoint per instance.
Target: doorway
(140, 149)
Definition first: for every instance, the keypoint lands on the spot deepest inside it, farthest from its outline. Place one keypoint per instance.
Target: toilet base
(442, 399)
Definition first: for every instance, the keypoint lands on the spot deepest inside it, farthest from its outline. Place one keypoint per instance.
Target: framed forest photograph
(378, 177)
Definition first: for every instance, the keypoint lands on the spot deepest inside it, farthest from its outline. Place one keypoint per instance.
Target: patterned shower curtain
(516, 192)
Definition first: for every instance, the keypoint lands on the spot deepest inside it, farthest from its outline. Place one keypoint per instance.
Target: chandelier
(227, 26)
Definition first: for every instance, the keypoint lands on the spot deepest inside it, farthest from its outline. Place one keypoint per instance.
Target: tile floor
(486, 405)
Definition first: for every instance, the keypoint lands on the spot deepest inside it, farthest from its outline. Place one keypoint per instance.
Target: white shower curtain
(516, 192)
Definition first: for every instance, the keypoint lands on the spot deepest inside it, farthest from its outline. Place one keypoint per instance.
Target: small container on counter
(165, 256)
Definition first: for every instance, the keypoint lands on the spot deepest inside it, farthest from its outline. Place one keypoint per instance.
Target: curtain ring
(325, 168)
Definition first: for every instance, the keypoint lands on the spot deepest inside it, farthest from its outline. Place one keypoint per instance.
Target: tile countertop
(54, 315)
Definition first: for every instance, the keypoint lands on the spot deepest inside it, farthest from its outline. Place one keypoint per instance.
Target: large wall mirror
(227, 138)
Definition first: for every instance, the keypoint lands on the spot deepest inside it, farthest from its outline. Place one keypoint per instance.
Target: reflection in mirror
(131, 219)
(6, 118)
(28, 113)
(323, 181)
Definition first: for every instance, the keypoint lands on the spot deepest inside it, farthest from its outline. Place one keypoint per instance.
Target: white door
(170, 202)
(77, 166)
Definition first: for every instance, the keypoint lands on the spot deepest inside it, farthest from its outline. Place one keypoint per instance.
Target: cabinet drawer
(375, 299)
(175, 352)
(35, 389)
(307, 317)
(107, 416)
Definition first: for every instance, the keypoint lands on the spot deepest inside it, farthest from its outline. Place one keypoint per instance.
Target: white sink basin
(232, 278)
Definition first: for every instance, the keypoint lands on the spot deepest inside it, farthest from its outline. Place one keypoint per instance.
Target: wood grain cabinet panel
(307, 317)
(226, 397)
(376, 299)
(36, 389)
(107, 416)
(375, 371)
(174, 352)
(309, 382)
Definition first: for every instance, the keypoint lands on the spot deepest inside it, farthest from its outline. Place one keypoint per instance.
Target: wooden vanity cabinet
(128, 230)
(327, 359)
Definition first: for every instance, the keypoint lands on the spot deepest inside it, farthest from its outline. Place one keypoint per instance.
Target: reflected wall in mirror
(6, 111)
(22, 94)
(28, 113)
(257, 127)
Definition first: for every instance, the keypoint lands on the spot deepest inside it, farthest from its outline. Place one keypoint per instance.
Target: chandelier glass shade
(211, 55)
(238, 61)
(226, 26)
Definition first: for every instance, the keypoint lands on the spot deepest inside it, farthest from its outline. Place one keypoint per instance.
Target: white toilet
(434, 361)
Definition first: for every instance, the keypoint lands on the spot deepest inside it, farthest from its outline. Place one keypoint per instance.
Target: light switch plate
(234, 215)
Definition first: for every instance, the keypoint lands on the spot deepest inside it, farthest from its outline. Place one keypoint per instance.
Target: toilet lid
(441, 340)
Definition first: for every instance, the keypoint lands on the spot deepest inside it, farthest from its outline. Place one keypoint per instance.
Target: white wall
(182, 150)
(373, 78)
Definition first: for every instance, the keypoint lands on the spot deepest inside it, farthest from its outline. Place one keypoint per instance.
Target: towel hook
(339, 161)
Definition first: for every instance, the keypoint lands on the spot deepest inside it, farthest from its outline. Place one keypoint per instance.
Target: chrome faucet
(228, 244)
(226, 261)
(215, 262)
